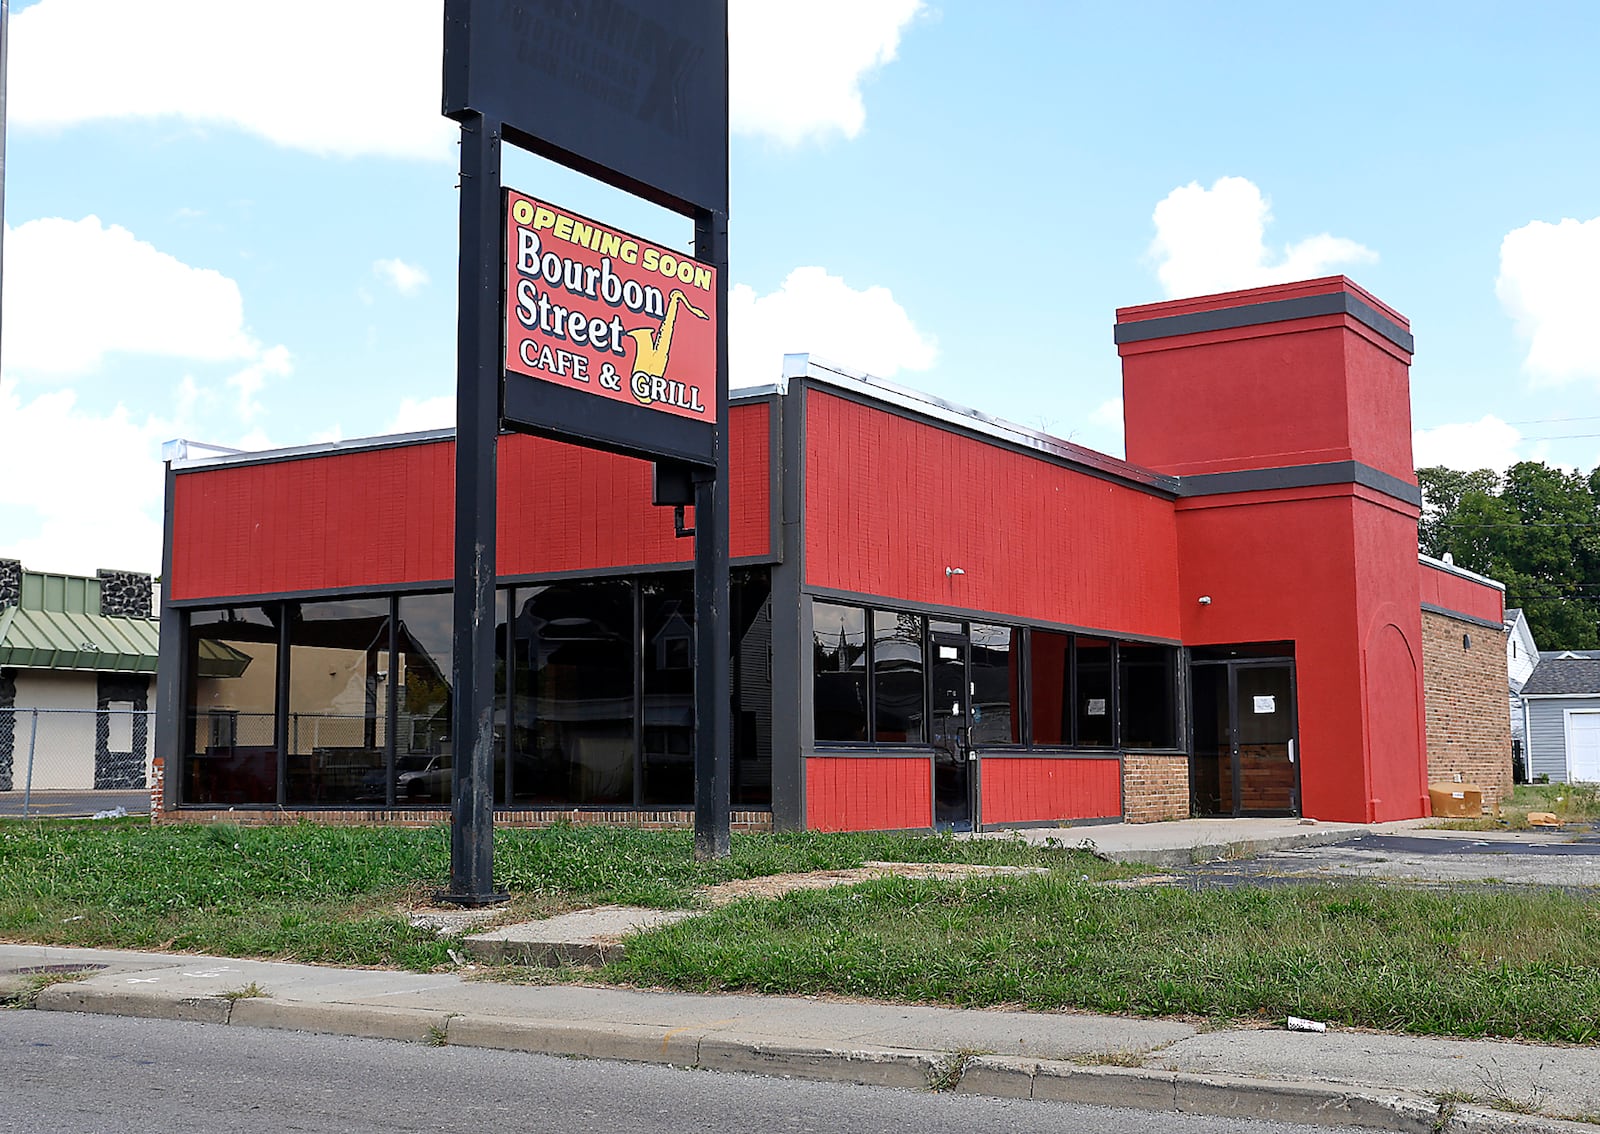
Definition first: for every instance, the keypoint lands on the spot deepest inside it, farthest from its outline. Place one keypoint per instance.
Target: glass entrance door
(1244, 761)
(949, 715)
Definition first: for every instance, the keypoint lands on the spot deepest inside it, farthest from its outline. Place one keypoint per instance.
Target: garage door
(1583, 746)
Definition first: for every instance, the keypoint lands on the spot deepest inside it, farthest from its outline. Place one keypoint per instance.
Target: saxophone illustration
(650, 356)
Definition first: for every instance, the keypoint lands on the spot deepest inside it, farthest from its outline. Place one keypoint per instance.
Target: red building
(939, 618)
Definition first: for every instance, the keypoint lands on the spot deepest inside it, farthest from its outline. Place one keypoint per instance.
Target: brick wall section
(428, 817)
(1469, 719)
(1155, 787)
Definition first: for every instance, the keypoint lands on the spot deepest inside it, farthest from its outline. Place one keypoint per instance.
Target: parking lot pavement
(1568, 859)
(62, 804)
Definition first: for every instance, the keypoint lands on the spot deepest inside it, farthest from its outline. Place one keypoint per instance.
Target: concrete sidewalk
(1337, 1078)
(1187, 841)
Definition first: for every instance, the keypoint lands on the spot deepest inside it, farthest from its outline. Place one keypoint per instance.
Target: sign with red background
(595, 309)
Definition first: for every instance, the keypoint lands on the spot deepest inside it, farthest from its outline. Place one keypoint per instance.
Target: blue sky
(236, 223)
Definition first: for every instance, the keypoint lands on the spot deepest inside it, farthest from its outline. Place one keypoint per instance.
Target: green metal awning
(57, 639)
(218, 659)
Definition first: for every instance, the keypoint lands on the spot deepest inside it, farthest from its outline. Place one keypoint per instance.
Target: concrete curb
(1217, 851)
(704, 1048)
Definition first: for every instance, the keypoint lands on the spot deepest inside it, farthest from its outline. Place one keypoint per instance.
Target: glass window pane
(751, 600)
(338, 701)
(668, 612)
(839, 663)
(1050, 696)
(898, 689)
(230, 746)
(422, 751)
(1146, 688)
(1094, 693)
(996, 685)
(573, 707)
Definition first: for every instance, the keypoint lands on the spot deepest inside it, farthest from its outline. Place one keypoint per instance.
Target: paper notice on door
(947, 652)
(1097, 707)
(1266, 704)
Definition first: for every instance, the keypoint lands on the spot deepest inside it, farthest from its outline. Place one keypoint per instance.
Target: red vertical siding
(1453, 592)
(891, 503)
(868, 793)
(385, 516)
(1019, 789)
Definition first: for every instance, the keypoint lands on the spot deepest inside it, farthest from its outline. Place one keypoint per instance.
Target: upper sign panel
(591, 308)
(634, 92)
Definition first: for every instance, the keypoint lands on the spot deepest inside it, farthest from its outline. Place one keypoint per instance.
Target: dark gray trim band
(1463, 616)
(884, 602)
(1300, 476)
(1273, 311)
(1055, 754)
(431, 586)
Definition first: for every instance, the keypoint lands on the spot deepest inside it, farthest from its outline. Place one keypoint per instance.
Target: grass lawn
(1463, 962)
(334, 894)
(1467, 961)
(1571, 803)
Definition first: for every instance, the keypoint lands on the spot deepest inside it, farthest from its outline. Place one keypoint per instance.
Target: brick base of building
(1469, 718)
(1154, 787)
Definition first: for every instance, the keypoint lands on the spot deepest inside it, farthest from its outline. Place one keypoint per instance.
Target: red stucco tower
(1285, 412)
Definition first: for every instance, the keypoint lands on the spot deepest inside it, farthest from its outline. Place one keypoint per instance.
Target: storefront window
(338, 702)
(1050, 687)
(996, 671)
(667, 607)
(751, 601)
(898, 688)
(1147, 692)
(231, 752)
(839, 663)
(574, 645)
(1094, 690)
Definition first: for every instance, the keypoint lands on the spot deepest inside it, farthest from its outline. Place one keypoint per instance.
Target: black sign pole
(478, 375)
(713, 689)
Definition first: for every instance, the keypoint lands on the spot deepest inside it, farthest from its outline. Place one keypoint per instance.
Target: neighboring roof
(57, 624)
(1563, 673)
(1512, 614)
(60, 639)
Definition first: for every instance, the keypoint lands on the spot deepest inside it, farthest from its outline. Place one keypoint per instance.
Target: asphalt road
(61, 804)
(108, 1075)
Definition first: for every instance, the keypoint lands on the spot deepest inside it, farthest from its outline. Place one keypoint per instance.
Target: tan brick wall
(403, 817)
(1469, 718)
(1155, 788)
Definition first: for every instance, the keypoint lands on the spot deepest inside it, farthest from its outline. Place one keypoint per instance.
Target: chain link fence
(66, 761)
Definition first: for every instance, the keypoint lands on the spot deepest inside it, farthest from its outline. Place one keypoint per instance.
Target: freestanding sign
(572, 329)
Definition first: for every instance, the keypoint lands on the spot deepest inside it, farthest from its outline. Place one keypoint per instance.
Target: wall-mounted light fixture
(1466, 641)
(1205, 600)
(949, 572)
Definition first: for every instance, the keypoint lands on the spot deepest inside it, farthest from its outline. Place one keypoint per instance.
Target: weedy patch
(24, 992)
(947, 1073)
(1110, 1058)
(249, 992)
(438, 1035)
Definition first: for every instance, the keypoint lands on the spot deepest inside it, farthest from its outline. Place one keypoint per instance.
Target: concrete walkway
(1334, 1078)
(1187, 841)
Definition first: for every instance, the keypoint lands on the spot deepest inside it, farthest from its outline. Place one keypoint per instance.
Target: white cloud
(820, 314)
(356, 77)
(361, 77)
(407, 279)
(795, 70)
(79, 290)
(247, 383)
(1106, 421)
(1210, 240)
(97, 485)
(1549, 283)
(418, 414)
(1487, 443)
